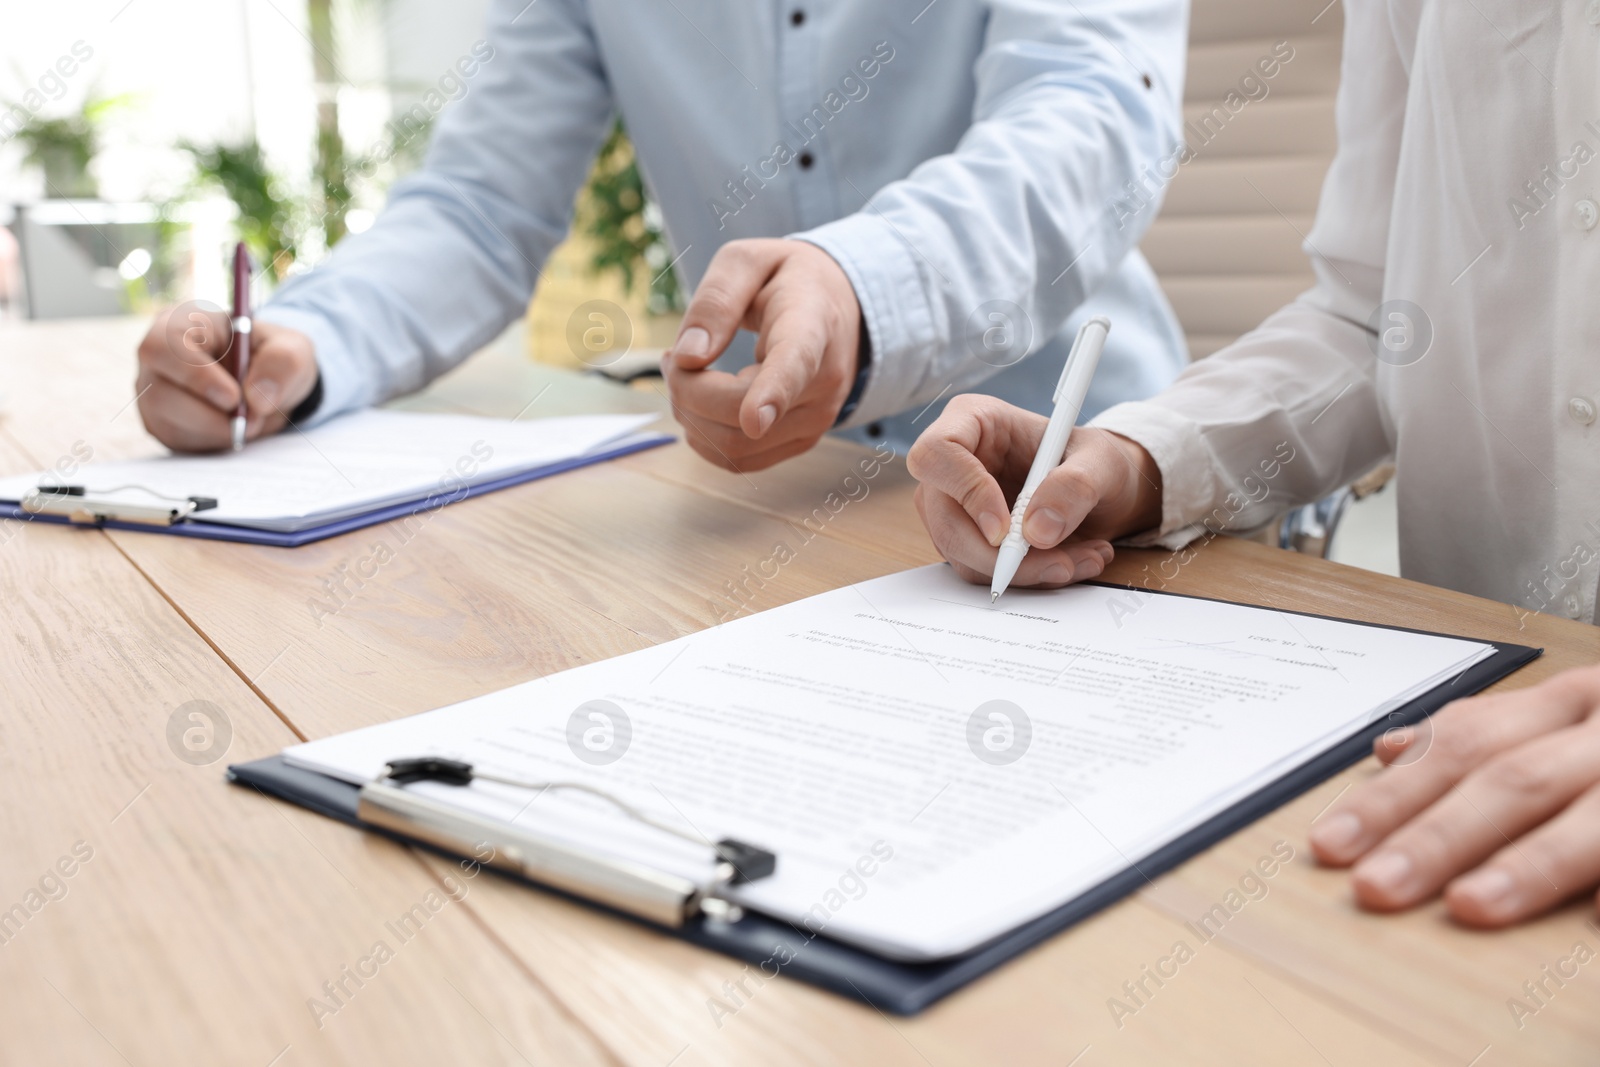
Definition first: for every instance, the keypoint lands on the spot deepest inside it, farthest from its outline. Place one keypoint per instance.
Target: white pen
(1070, 393)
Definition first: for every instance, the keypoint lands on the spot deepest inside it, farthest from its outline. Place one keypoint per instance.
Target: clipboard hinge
(76, 504)
(662, 897)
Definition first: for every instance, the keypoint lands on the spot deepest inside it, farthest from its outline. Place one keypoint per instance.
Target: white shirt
(1466, 183)
(962, 161)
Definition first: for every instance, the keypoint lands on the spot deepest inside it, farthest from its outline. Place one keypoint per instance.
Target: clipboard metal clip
(662, 897)
(76, 504)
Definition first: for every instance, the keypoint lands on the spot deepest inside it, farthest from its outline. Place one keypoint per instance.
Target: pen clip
(1075, 357)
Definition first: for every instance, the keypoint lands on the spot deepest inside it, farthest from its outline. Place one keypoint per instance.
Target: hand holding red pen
(187, 393)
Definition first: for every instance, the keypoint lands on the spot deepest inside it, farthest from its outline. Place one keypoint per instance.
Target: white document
(347, 466)
(857, 735)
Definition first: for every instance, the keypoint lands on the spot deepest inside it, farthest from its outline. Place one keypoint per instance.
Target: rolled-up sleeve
(1075, 101)
(455, 255)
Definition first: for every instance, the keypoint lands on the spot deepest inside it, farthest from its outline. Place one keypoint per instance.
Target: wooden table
(201, 922)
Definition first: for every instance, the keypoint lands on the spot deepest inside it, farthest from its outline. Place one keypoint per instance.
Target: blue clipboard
(900, 988)
(218, 531)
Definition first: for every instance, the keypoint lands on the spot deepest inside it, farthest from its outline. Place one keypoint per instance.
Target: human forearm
(1019, 219)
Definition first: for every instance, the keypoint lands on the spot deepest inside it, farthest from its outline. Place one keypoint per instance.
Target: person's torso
(1494, 250)
(762, 119)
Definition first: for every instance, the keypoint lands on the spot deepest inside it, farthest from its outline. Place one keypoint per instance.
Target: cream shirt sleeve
(1291, 411)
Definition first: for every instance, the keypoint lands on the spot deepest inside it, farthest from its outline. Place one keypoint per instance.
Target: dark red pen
(241, 336)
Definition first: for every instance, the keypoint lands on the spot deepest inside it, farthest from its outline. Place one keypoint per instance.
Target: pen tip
(238, 434)
(993, 597)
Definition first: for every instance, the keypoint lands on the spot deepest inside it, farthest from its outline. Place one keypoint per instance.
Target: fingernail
(1107, 553)
(694, 341)
(765, 416)
(1410, 749)
(1057, 573)
(1090, 568)
(265, 394)
(1386, 870)
(219, 398)
(993, 528)
(1491, 888)
(1045, 527)
(1337, 832)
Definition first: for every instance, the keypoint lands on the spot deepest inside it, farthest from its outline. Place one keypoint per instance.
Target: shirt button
(1594, 12)
(1573, 606)
(1588, 213)
(798, 17)
(875, 429)
(1581, 408)
(806, 159)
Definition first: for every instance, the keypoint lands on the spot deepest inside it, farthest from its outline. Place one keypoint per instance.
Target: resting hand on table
(970, 466)
(804, 310)
(1495, 802)
(187, 397)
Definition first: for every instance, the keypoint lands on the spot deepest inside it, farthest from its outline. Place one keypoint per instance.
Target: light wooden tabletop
(202, 923)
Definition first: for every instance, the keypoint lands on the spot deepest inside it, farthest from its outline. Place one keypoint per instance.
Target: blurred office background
(139, 140)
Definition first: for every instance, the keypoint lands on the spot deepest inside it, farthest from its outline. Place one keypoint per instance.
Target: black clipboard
(777, 947)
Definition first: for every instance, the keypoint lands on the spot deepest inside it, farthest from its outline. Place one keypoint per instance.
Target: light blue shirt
(962, 160)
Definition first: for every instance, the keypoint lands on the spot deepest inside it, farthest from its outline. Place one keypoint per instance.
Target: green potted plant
(625, 227)
(270, 221)
(64, 147)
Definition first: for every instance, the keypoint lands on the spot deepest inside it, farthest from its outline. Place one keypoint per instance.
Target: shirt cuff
(344, 386)
(1188, 483)
(863, 374)
(894, 308)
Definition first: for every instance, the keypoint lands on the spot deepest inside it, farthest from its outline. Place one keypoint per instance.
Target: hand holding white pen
(1070, 393)
(982, 454)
